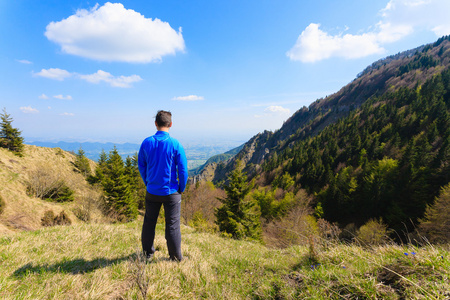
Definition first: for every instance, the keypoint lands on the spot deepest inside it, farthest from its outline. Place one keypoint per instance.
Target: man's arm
(182, 169)
(142, 164)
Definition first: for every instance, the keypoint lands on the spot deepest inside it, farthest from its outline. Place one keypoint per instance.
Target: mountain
(406, 69)
(390, 125)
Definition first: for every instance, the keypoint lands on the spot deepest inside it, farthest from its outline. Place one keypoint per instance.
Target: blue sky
(99, 71)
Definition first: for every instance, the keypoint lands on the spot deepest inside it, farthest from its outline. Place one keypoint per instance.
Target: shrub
(62, 219)
(45, 184)
(49, 219)
(349, 232)
(40, 181)
(296, 228)
(86, 205)
(276, 203)
(374, 232)
(200, 223)
(327, 231)
(60, 193)
(436, 223)
(2, 205)
(200, 198)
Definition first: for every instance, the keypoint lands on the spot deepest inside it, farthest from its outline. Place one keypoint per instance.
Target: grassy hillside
(98, 261)
(38, 164)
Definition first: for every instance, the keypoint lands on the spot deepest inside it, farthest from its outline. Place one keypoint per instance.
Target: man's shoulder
(147, 141)
(175, 142)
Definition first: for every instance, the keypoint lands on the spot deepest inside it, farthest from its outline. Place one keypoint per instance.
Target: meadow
(103, 261)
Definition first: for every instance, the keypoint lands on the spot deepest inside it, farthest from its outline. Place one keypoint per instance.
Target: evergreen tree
(82, 163)
(112, 176)
(436, 223)
(10, 137)
(99, 170)
(239, 215)
(135, 181)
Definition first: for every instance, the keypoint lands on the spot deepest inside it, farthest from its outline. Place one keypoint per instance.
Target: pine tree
(10, 137)
(82, 163)
(436, 223)
(99, 170)
(134, 179)
(239, 215)
(118, 192)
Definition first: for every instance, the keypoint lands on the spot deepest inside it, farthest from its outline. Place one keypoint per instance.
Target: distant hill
(394, 115)
(216, 159)
(92, 149)
(196, 154)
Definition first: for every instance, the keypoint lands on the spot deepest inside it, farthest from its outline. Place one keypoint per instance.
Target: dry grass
(23, 212)
(101, 261)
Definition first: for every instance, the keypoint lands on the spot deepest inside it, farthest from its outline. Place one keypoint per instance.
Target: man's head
(163, 119)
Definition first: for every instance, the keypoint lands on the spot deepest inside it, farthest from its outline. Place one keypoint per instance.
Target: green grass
(99, 261)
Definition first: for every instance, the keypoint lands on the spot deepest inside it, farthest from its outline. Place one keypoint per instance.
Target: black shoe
(173, 258)
(148, 256)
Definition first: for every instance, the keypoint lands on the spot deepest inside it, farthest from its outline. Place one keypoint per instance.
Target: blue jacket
(163, 165)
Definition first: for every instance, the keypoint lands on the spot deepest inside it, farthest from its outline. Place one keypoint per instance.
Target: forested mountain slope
(377, 148)
(387, 159)
(407, 69)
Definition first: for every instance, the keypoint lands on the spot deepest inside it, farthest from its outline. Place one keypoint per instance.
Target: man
(163, 167)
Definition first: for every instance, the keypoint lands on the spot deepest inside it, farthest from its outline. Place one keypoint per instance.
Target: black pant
(172, 207)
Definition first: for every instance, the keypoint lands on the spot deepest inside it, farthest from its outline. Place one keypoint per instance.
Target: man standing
(163, 167)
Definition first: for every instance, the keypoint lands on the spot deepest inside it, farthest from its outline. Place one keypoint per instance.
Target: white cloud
(61, 97)
(67, 114)
(54, 73)
(441, 30)
(274, 111)
(277, 109)
(399, 19)
(314, 45)
(119, 81)
(43, 96)
(189, 98)
(99, 76)
(29, 110)
(113, 33)
(24, 61)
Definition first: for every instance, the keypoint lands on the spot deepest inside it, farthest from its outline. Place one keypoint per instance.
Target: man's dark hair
(163, 118)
